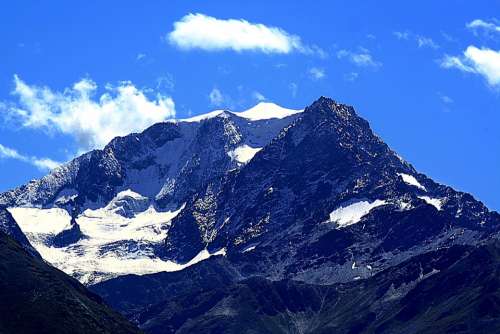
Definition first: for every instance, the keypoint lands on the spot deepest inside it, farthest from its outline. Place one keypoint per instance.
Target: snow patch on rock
(352, 213)
(411, 180)
(435, 202)
(243, 153)
(249, 249)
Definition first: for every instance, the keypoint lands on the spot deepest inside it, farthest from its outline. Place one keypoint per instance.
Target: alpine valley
(269, 220)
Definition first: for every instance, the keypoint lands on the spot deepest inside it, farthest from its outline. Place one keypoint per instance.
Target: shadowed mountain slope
(37, 298)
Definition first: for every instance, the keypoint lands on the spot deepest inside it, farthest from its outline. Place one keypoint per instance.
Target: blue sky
(426, 74)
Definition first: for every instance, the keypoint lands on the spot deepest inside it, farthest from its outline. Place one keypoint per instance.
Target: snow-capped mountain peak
(202, 117)
(261, 111)
(267, 110)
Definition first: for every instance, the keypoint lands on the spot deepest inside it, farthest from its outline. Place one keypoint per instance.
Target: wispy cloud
(43, 164)
(92, 120)
(488, 28)
(215, 97)
(351, 76)
(426, 42)
(447, 102)
(484, 61)
(448, 37)
(258, 96)
(456, 62)
(405, 35)
(445, 98)
(199, 31)
(294, 88)
(420, 40)
(363, 58)
(165, 83)
(317, 73)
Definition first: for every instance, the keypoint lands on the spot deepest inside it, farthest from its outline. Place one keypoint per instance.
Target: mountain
(37, 298)
(452, 290)
(190, 214)
(107, 212)
(326, 201)
(132, 294)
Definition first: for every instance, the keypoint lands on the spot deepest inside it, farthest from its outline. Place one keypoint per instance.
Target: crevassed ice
(41, 221)
(129, 193)
(113, 245)
(436, 202)
(243, 153)
(91, 268)
(411, 180)
(105, 226)
(352, 213)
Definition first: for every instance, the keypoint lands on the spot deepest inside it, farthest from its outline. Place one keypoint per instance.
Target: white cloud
(92, 120)
(426, 42)
(317, 73)
(6, 152)
(216, 98)
(484, 61)
(41, 163)
(362, 58)
(258, 96)
(199, 31)
(165, 83)
(44, 163)
(140, 56)
(456, 62)
(484, 26)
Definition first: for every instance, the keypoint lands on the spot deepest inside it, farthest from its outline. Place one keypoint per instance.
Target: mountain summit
(261, 111)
